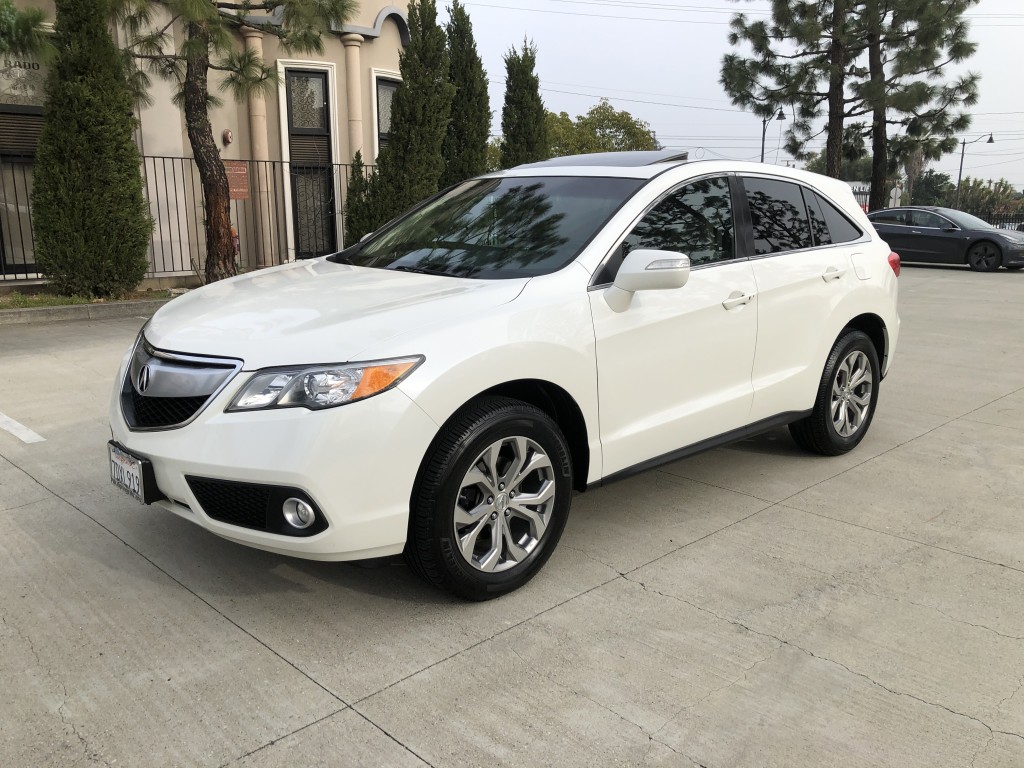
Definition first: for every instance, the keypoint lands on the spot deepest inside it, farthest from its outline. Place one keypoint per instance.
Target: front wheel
(491, 499)
(984, 257)
(846, 399)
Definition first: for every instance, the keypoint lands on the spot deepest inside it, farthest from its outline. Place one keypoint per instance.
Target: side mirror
(951, 228)
(647, 269)
(364, 237)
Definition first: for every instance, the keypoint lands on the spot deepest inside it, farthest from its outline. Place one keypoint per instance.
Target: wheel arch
(873, 325)
(561, 407)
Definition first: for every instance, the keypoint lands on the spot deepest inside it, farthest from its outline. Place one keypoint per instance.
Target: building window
(386, 88)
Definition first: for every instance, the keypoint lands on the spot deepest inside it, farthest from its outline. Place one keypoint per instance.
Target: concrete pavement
(752, 606)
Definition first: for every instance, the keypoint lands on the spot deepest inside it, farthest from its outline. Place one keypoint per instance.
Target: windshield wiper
(421, 270)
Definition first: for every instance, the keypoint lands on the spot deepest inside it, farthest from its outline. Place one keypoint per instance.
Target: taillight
(894, 262)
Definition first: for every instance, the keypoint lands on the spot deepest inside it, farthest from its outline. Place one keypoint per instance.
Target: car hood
(317, 312)
(1009, 234)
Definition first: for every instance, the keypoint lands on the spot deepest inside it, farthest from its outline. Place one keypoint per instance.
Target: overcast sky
(660, 60)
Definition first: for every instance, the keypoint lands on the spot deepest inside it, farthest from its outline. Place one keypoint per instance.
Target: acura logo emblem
(143, 382)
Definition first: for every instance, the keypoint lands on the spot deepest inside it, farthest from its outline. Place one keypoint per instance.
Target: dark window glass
(695, 220)
(889, 217)
(385, 98)
(925, 219)
(497, 228)
(819, 227)
(778, 216)
(840, 228)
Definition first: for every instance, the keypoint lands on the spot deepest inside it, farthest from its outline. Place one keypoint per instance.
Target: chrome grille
(166, 390)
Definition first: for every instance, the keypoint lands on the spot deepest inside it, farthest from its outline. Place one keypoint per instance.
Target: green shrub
(91, 220)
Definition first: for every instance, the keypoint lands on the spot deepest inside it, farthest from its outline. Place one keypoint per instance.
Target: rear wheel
(491, 499)
(846, 398)
(984, 257)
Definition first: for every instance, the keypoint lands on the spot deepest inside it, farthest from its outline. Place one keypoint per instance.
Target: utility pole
(764, 128)
(959, 176)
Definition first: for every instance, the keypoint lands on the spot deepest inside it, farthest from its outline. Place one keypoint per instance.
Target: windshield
(497, 228)
(966, 221)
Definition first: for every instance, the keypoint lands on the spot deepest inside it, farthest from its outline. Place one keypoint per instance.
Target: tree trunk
(220, 252)
(836, 91)
(879, 137)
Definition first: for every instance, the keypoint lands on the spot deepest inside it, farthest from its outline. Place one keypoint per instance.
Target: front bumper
(1013, 256)
(357, 462)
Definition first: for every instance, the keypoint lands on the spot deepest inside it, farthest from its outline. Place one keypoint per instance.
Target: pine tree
(409, 167)
(854, 58)
(465, 144)
(206, 40)
(92, 223)
(523, 125)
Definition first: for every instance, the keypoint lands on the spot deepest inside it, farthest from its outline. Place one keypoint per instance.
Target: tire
(842, 413)
(984, 257)
(467, 533)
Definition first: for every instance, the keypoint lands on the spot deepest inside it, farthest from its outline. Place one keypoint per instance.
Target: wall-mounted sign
(22, 81)
(238, 179)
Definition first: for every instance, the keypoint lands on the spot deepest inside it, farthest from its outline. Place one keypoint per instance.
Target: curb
(144, 308)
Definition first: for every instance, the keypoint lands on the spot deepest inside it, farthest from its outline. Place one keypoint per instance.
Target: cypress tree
(92, 223)
(465, 144)
(409, 168)
(523, 125)
(359, 218)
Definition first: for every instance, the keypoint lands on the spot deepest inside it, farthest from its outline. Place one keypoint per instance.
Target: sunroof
(615, 159)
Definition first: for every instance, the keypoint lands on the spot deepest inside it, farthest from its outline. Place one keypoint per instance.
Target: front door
(674, 368)
(311, 164)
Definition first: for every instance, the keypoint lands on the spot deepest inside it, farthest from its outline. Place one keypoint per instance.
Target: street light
(963, 149)
(764, 128)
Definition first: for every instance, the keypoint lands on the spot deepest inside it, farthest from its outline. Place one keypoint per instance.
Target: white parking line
(19, 430)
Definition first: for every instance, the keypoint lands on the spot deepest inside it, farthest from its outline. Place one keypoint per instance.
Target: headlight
(321, 386)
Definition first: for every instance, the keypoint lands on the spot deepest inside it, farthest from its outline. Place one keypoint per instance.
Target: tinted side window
(695, 220)
(925, 219)
(819, 227)
(840, 228)
(778, 215)
(889, 217)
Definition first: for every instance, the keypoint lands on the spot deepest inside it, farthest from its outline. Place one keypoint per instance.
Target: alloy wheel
(504, 504)
(985, 257)
(851, 394)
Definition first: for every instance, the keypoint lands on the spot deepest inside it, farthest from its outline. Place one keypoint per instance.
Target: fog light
(298, 513)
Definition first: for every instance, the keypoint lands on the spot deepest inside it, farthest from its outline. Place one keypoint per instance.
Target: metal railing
(280, 211)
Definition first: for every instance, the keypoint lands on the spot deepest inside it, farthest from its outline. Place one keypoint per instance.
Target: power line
(640, 18)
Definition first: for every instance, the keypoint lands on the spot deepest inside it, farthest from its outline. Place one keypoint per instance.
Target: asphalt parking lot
(752, 606)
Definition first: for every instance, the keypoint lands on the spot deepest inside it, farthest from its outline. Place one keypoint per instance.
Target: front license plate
(126, 473)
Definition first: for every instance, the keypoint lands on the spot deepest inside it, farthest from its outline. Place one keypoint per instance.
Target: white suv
(442, 387)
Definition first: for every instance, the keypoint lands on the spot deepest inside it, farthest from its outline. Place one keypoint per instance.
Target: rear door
(931, 240)
(893, 225)
(803, 271)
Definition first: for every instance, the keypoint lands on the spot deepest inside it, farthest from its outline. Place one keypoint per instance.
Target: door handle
(737, 299)
(832, 273)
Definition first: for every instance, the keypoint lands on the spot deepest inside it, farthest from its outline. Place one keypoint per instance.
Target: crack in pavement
(839, 664)
(650, 736)
(274, 741)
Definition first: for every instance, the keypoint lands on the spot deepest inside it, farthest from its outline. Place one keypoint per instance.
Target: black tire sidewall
(512, 420)
(982, 267)
(852, 341)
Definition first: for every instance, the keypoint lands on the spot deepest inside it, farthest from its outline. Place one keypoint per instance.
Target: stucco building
(287, 153)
